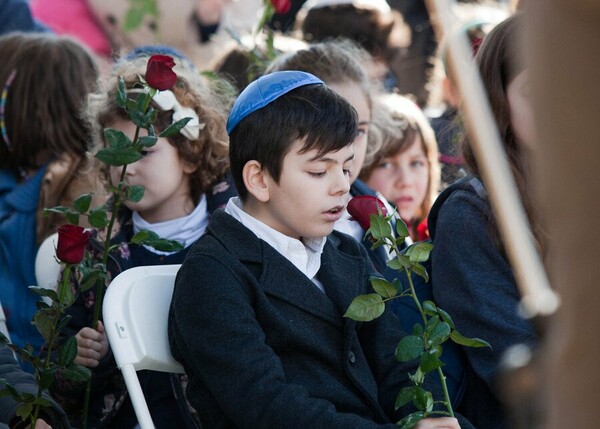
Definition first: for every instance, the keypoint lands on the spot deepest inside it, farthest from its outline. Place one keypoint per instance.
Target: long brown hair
(500, 61)
(52, 77)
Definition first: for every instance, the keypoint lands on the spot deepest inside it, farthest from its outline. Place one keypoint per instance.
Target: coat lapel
(279, 277)
(343, 275)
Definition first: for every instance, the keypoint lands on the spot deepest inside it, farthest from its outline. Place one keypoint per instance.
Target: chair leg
(137, 397)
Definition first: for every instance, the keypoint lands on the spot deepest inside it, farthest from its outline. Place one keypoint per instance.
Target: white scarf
(185, 230)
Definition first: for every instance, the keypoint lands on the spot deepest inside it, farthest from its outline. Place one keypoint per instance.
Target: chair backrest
(47, 266)
(135, 312)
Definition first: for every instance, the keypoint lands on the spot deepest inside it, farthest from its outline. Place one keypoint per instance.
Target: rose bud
(159, 72)
(281, 6)
(72, 241)
(362, 206)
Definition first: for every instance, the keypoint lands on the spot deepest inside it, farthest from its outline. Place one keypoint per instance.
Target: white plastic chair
(47, 266)
(135, 311)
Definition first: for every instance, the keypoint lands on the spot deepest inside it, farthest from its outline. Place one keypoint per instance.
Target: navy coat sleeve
(473, 282)
(25, 383)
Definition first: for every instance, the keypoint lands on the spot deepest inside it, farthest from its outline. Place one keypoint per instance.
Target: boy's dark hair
(314, 114)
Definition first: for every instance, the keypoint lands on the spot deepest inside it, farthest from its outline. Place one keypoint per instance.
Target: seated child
(406, 169)
(185, 179)
(257, 312)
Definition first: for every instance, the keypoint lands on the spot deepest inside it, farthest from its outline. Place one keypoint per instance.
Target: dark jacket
(473, 281)
(264, 347)
(23, 382)
(110, 405)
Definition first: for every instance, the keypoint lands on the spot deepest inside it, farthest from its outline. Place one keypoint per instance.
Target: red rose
(72, 240)
(362, 206)
(159, 72)
(281, 6)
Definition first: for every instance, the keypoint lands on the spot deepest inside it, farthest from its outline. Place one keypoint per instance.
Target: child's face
(403, 179)
(355, 95)
(311, 193)
(164, 176)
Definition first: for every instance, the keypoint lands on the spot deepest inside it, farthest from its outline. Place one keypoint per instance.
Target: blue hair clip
(3, 97)
(266, 89)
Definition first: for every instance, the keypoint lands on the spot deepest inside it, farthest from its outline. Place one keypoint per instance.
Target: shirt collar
(304, 254)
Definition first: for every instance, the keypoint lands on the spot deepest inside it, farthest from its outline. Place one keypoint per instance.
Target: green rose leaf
(42, 402)
(430, 308)
(117, 139)
(398, 285)
(383, 287)
(446, 318)
(82, 203)
(24, 410)
(67, 352)
(47, 376)
(118, 157)
(405, 396)
(420, 270)
(365, 308)
(150, 238)
(423, 399)
(439, 333)
(399, 263)
(430, 360)
(409, 348)
(174, 128)
(57, 209)
(98, 218)
(419, 252)
(134, 193)
(411, 420)
(417, 329)
(40, 291)
(43, 324)
(401, 228)
(140, 119)
(7, 390)
(72, 217)
(469, 342)
(76, 373)
(147, 141)
(380, 228)
(90, 279)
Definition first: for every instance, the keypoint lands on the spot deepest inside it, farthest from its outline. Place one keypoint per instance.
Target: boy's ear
(254, 180)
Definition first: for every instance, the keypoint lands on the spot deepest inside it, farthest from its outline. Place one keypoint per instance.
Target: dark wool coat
(263, 347)
(110, 405)
(473, 281)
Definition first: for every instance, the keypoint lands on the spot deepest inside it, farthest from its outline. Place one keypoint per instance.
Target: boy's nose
(342, 184)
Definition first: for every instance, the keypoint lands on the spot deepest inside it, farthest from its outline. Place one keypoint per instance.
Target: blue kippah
(266, 89)
(149, 50)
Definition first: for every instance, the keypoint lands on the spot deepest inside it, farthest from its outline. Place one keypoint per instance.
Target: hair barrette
(3, 97)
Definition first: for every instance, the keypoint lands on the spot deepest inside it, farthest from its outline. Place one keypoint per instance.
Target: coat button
(351, 357)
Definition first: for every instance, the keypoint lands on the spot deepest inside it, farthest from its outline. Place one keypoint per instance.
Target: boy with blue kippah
(256, 316)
